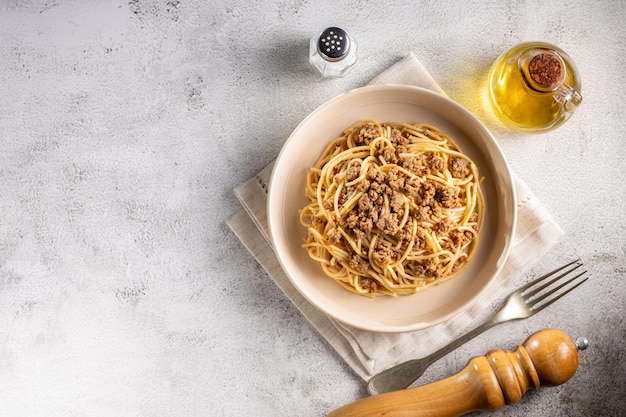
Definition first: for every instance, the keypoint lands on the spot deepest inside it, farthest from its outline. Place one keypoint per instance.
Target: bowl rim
(494, 151)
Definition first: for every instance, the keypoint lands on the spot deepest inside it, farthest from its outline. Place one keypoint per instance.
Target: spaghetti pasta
(394, 208)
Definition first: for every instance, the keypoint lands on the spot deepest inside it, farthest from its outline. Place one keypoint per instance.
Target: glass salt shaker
(333, 52)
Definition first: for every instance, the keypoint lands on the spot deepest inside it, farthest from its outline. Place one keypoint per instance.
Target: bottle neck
(544, 71)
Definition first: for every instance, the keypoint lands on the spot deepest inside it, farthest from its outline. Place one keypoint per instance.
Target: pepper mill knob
(553, 354)
(548, 357)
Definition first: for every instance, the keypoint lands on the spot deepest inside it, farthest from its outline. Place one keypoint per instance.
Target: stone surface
(125, 126)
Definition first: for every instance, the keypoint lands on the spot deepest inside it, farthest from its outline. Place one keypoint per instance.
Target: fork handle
(404, 374)
(548, 357)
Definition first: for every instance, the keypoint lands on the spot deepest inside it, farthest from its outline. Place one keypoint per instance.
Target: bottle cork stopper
(545, 69)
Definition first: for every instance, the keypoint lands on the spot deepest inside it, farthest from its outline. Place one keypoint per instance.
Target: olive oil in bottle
(534, 87)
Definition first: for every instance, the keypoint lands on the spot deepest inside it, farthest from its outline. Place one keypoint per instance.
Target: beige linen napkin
(368, 353)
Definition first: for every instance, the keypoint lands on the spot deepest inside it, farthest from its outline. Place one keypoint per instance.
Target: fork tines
(534, 295)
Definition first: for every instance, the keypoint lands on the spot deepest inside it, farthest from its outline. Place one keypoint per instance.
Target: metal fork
(520, 304)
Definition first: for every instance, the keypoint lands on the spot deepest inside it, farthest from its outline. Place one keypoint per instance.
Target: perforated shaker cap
(333, 44)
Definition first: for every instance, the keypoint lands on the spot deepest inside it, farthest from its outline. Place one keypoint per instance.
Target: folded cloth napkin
(365, 352)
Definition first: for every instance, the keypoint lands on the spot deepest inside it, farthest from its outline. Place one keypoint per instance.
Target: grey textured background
(124, 127)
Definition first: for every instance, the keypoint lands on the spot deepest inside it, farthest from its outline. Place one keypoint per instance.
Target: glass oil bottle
(534, 87)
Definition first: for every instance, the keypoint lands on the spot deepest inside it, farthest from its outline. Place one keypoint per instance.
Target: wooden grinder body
(548, 357)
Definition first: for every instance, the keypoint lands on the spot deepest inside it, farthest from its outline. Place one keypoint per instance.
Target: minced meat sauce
(426, 199)
(401, 180)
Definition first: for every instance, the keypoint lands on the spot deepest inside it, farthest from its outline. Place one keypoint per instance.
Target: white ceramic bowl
(390, 103)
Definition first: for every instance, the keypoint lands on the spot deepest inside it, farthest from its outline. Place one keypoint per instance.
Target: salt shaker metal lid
(333, 52)
(333, 44)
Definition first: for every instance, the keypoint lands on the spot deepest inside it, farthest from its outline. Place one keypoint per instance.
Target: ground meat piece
(336, 170)
(460, 238)
(436, 162)
(366, 224)
(459, 167)
(383, 255)
(397, 138)
(366, 134)
(406, 234)
(334, 236)
(447, 245)
(345, 195)
(353, 172)
(388, 223)
(397, 203)
(427, 194)
(443, 226)
(389, 154)
(372, 194)
(422, 214)
(396, 179)
(377, 189)
(418, 269)
(376, 175)
(369, 285)
(415, 165)
(438, 272)
(429, 268)
(447, 196)
(352, 221)
(365, 203)
(363, 185)
(411, 186)
(359, 264)
(329, 204)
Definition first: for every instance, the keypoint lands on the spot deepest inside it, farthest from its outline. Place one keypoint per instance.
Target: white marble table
(125, 126)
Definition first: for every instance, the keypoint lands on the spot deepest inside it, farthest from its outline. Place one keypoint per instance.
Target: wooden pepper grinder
(548, 357)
